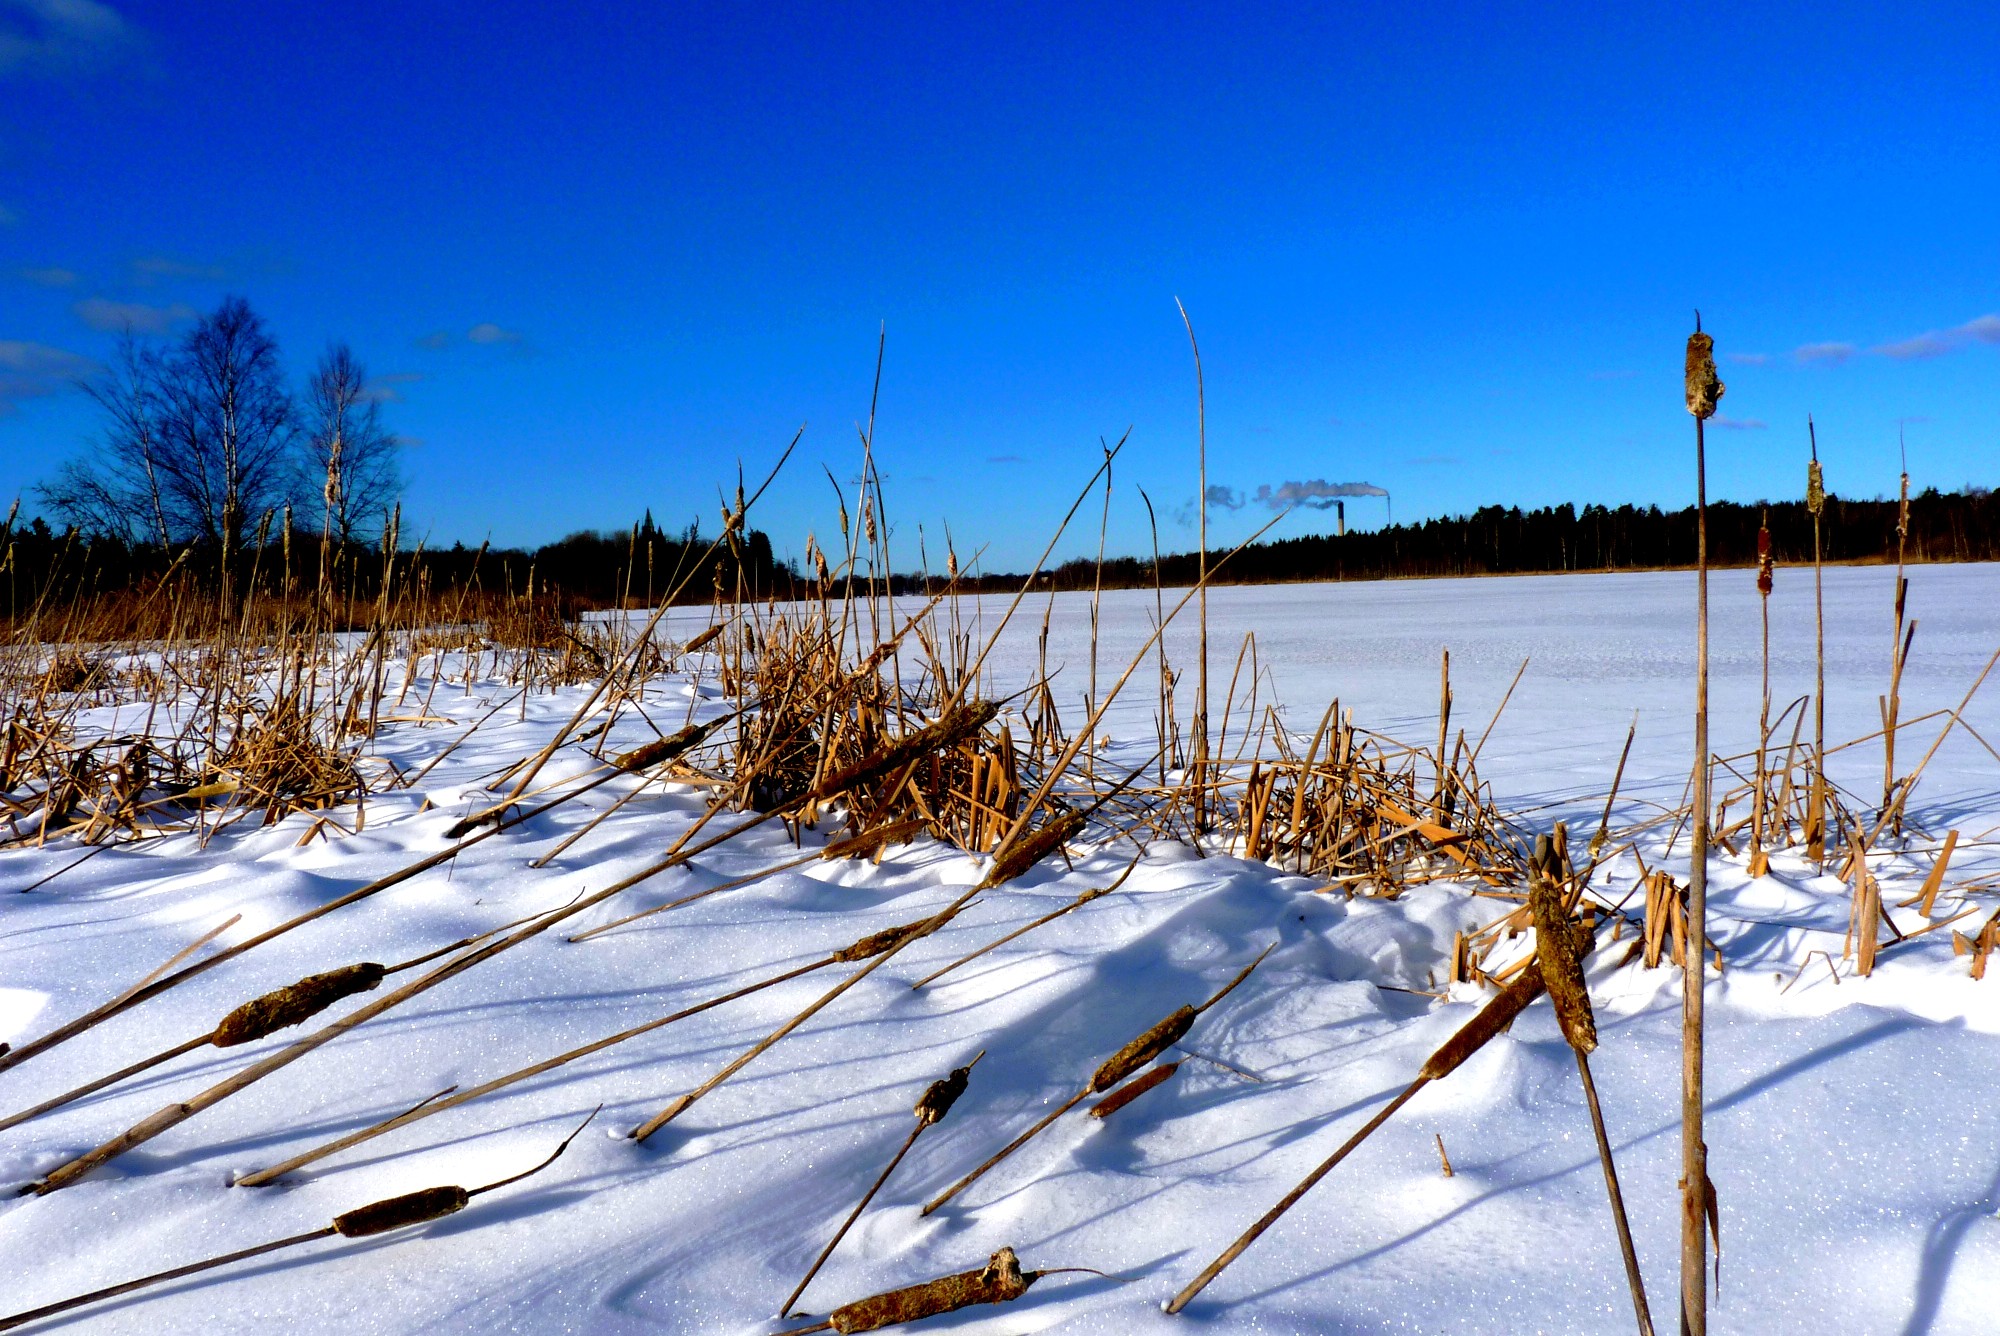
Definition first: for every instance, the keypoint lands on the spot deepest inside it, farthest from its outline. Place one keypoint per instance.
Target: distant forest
(1499, 540)
(640, 565)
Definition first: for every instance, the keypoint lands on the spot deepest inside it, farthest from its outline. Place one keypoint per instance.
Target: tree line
(1499, 540)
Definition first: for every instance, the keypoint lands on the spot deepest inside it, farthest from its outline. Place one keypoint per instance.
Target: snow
(1854, 1139)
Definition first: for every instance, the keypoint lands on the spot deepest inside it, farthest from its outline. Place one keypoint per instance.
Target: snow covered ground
(1854, 1129)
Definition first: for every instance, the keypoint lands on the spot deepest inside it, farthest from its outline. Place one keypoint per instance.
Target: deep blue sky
(596, 254)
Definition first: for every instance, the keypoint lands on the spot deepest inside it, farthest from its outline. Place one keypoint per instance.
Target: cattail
(666, 748)
(1114, 1069)
(703, 640)
(1815, 489)
(1703, 388)
(1559, 952)
(955, 725)
(412, 1208)
(1027, 852)
(930, 1108)
(1142, 1050)
(294, 1004)
(875, 943)
(1104, 1108)
(1000, 1281)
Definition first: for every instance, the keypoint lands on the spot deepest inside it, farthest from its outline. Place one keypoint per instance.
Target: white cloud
(115, 317)
(1740, 424)
(35, 370)
(60, 38)
(51, 277)
(1831, 354)
(1938, 342)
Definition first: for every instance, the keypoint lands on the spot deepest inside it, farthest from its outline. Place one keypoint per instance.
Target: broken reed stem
(1114, 1069)
(931, 1107)
(145, 992)
(1490, 1020)
(1050, 917)
(549, 1065)
(380, 1217)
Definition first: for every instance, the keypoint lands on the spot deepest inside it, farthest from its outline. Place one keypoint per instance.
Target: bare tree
(349, 449)
(116, 491)
(231, 427)
(199, 440)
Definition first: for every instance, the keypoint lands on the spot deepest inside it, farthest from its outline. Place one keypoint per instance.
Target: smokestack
(1340, 518)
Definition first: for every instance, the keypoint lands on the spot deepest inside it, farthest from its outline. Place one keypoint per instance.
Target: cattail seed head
(288, 1006)
(1109, 1105)
(875, 943)
(1815, 489)
(1142, 1050)
(666, 748)
(1027, 852)
(1560, 943)
(939, 1096)
(1703, 387)
(999, 1281)
(412, 1208)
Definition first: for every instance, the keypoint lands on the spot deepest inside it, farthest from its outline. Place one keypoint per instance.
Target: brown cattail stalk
(1560, 943)
(392, 1213)
(931, 1107)
(1815, 831)
(1703, 390)
(1760, 862)
(1490, 1020)
(1054, 914)
(871, 945)
(1899, 650)
(1134, 1055)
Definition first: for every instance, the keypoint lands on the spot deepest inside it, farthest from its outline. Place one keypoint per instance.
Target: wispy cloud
(1827, 354)
(1748, 359)
(1317, 493)
(485, 334)
(148, 270)
(488, 332)
(57, 39)
(1938, 342)
(1005, 459)
(387, 389)
(8, 217)
(1739, 424)
(51, 277)
(115, 317)
(35, 371)
(1434, 461)
(1613, 375)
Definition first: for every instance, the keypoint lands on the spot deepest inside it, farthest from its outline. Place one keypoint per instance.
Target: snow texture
(1854, 1132)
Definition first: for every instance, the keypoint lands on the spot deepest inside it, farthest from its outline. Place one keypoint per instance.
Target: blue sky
(597, 254)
